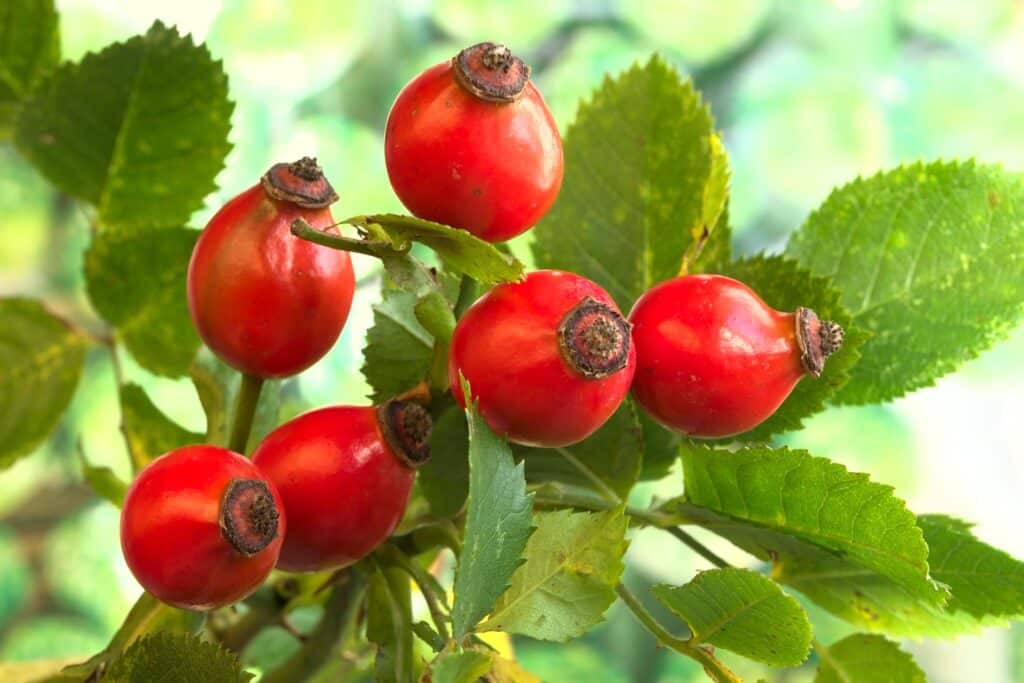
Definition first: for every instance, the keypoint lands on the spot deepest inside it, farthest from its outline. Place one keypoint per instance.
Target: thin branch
(431, 590)
(715, 669)
(467, 287)
(245, 411)
(304, 230)
(697, 546)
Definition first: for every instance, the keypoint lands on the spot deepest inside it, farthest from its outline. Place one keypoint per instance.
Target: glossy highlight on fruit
(714, 360)
(266, 302)
(549, 359)
(470, 143)
(345, 474)
(201, 527)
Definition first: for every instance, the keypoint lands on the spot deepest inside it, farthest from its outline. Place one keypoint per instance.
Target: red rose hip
(345, 474)
(714, 360)
(471, 143)
(549, 359)
(201, 527)
(266, 302)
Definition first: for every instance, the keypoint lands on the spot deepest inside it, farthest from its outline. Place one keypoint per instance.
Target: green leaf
(103, 481)
(217, 387)
(572, 562)
(29, 47)
(40, 360)
(460, 667)
(147, 616)
(398, 349)
(608, 461)
(444, 480)
(508, 671)
(389, 625)
(136, 280)
(744, 612)
(713, 203)
(139, 129)
(928, 259)
(716, 256)
(842, 540)
(986, 583)
(497, 524)
(784, 286)
(637, 161)
(459, 249)
(148, 432)
(168, 657)
(863, 658)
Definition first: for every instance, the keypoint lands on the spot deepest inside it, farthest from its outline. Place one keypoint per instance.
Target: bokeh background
(808, 94)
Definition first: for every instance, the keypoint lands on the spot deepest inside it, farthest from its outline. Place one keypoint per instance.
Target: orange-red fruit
(549, 358)
(266, 302)
(714, 360)
(201, 527)
(470, 143)
(345, 474)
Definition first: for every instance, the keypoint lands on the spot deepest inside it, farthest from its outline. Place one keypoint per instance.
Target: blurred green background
(808, 94)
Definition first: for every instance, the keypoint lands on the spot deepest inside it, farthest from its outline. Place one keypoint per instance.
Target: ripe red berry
(549, 358)
(471, 143)
(201, 527)
(345, 474)
(714, 360)
(268, 303)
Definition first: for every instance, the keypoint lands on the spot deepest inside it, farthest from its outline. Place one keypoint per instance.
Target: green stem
(717, 671)
(240, 633)
(245, 410)
(467, 288)
(439, 368)
(559, 495)
(697, 546)
(341, 612)
(304, 230)
(431, 590)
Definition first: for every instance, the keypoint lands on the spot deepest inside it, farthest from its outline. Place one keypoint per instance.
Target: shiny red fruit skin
(490, 168)
(171, 536)
(713, 359)
(344, 489)
(506, 346)
(266, 302)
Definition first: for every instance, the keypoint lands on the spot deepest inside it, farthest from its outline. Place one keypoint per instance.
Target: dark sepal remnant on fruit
(491, 72)
(248, 515)
(817, 339)
(594, 339)
(301, 182)
(406, 428)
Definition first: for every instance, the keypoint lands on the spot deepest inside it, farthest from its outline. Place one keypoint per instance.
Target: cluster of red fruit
(470, 143)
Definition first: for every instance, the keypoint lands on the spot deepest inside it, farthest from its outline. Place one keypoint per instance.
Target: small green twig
(431, 590)
(467, 287)
(304, 230)
(559, 495)
(697, 546)
(715, 669)
(245, 410)
(341, 615)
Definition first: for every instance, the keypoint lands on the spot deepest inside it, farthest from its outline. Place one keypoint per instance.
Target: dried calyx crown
(817, 339)
(406, 428)
(491, 72)
(248, 515)
(301, 182)
(594, 339)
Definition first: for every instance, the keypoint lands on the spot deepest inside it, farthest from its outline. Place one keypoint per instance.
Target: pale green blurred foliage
(808, 94)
